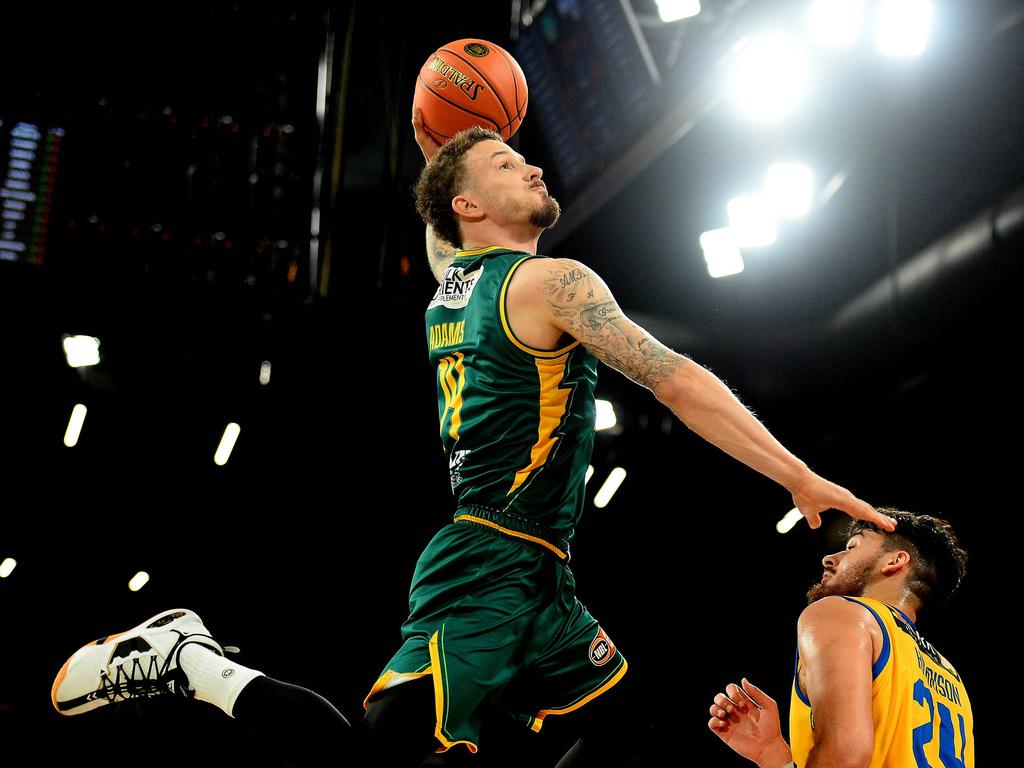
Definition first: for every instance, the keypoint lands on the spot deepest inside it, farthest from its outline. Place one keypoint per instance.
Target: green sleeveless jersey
(517, 423)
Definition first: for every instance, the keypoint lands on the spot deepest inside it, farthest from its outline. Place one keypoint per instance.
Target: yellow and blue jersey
(919, 705)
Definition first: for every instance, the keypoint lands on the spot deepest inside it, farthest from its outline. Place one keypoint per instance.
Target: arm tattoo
(597, 316)
(440, 253)
(585, 306)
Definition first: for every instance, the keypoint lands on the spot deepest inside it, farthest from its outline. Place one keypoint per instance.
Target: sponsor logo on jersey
(455, 463)
(456, 287)
(601, 649)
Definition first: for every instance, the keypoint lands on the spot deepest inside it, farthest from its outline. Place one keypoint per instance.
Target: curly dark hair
(937, 560)
(443, 178)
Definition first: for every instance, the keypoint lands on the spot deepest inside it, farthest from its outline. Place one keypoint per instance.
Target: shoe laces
(139, 674)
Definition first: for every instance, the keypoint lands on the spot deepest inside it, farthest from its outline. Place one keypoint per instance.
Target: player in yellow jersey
(869, 691)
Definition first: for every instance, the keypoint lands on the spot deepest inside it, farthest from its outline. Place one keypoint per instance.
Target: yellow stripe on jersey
(478, 251)
(502, 312)
(552, 407)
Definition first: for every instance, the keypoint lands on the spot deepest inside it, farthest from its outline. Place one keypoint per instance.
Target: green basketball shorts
(494, 620)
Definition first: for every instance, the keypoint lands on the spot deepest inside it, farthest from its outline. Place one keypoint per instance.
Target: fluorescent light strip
(611, 485)
(227, 442)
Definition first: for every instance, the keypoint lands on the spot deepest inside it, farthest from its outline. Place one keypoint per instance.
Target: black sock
(299, 725)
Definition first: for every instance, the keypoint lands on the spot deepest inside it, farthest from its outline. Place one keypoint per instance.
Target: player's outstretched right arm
(577, 301)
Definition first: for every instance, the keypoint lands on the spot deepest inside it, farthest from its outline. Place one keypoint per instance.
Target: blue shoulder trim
(796, 680)
(883, 657)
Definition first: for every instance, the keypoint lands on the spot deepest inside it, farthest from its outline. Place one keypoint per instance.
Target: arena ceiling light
(138, 581)
(7, 567)
(610, 486)
(227, 443)
(74, 430)
(791, 518)
(752, 221)
(674, 10)
(590, 474)
(769, 77)
(81, 351)
(265, 372)
(835, 23)
(721, 252)
(903, 27)
(605, 415)
(789, 189)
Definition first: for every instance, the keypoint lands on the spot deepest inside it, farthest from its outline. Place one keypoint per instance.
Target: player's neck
(896, 596)
(486, 234)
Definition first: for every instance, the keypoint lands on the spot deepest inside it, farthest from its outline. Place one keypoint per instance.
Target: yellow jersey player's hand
(815, 494)
(747, 719)
(427, 145)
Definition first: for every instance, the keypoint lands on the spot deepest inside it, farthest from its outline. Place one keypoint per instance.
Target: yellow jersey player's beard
(852, 583)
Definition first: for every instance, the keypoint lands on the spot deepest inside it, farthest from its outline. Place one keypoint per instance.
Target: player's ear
(894, 561)
(467, 207)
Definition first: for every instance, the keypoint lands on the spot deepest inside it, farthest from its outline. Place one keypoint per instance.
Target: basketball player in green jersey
(494, 623)
(515, 337)
(869, 691)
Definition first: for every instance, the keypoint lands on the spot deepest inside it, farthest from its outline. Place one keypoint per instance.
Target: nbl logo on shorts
(602, 649)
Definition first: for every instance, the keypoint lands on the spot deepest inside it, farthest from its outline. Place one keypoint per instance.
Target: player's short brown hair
(937, 560)
(443, 178)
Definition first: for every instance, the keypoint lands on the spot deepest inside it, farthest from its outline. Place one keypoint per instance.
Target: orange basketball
(470, 82)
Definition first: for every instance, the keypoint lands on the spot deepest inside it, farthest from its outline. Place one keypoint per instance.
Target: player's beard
(546, 216)
(852, 583)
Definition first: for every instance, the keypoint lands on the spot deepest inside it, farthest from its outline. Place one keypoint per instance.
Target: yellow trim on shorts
(545, 353)
(538, 719)
(440, 674)
(516, 534)
(383, 680)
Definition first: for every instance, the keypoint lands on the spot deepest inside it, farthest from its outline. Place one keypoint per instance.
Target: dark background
(180, 237)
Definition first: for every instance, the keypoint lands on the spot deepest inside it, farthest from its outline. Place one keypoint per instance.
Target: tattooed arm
(440, 253)
(577, 301)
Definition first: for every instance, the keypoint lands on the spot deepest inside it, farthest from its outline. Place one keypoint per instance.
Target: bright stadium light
(785, 525)
(265, 373)
(227, 442)
(82, 351)
(74, 430)
(721, 252)
(611, 485)
(752, 221)
(769, 78)
(903, 27)
(605, 415)
(835, 22)
(789, 189)
(590, 474)
(7, 567)
(674, 10)
(139, 580)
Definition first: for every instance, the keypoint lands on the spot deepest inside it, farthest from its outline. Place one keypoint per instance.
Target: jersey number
(452, 377)
(923, 734)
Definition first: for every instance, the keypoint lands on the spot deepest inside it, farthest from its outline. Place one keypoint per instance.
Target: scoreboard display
(29, 160)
